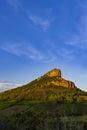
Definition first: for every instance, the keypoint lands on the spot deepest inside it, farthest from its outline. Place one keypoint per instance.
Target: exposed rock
(54, 72)
(59, 81)
(64, 83)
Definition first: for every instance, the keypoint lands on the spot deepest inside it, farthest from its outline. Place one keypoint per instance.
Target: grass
(4, 105)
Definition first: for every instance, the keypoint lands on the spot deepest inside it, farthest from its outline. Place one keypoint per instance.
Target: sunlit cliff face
(59, 81)
(54, 72)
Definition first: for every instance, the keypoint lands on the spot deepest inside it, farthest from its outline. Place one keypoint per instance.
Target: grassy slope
(41, 90)
(39, 106)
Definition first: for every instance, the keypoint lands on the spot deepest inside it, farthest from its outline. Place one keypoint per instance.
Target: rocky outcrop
(59, 81)
(54, 72)
(64, 83)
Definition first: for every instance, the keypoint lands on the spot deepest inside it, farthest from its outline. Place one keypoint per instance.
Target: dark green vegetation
(41, 105)
(36, 115)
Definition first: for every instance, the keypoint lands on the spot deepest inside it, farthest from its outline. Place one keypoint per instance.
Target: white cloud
(30, 52)
(44, 24)
(35, 54)
(38, 21)
(13, 3)
(7, 86)
(79, 39)
(56, 51)
(66, 54)
(50, 57)
(23, 50)
(11, 48)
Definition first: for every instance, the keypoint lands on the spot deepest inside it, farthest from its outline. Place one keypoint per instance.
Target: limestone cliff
(59, 81)
(54, 72)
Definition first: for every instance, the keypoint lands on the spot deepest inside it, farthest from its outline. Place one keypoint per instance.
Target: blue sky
(38, 35)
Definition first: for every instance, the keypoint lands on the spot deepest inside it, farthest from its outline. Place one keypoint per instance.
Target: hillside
(48, 103)
(50, 86)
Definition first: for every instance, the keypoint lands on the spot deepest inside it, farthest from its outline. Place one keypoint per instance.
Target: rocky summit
(59, 81)
(46, 103)
(54, 72)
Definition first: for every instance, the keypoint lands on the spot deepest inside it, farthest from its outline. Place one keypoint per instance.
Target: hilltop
(59, 81)
(50, 102)
(50, 86)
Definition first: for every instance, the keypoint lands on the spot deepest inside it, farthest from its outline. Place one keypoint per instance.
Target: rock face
(59, 81)
(64, 83)
(54, 72)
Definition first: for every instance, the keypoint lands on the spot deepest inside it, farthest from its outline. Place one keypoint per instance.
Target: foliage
(41, 105)
(42, 89)
(45, 115)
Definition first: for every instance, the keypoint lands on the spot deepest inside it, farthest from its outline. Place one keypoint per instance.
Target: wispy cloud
(39, 21)
(79, 38)
(50, 57)
(29, 52)
(7, 85)
(23, 50)
(13, 3)
(66, 54)
(56, 51)
(34, 53)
